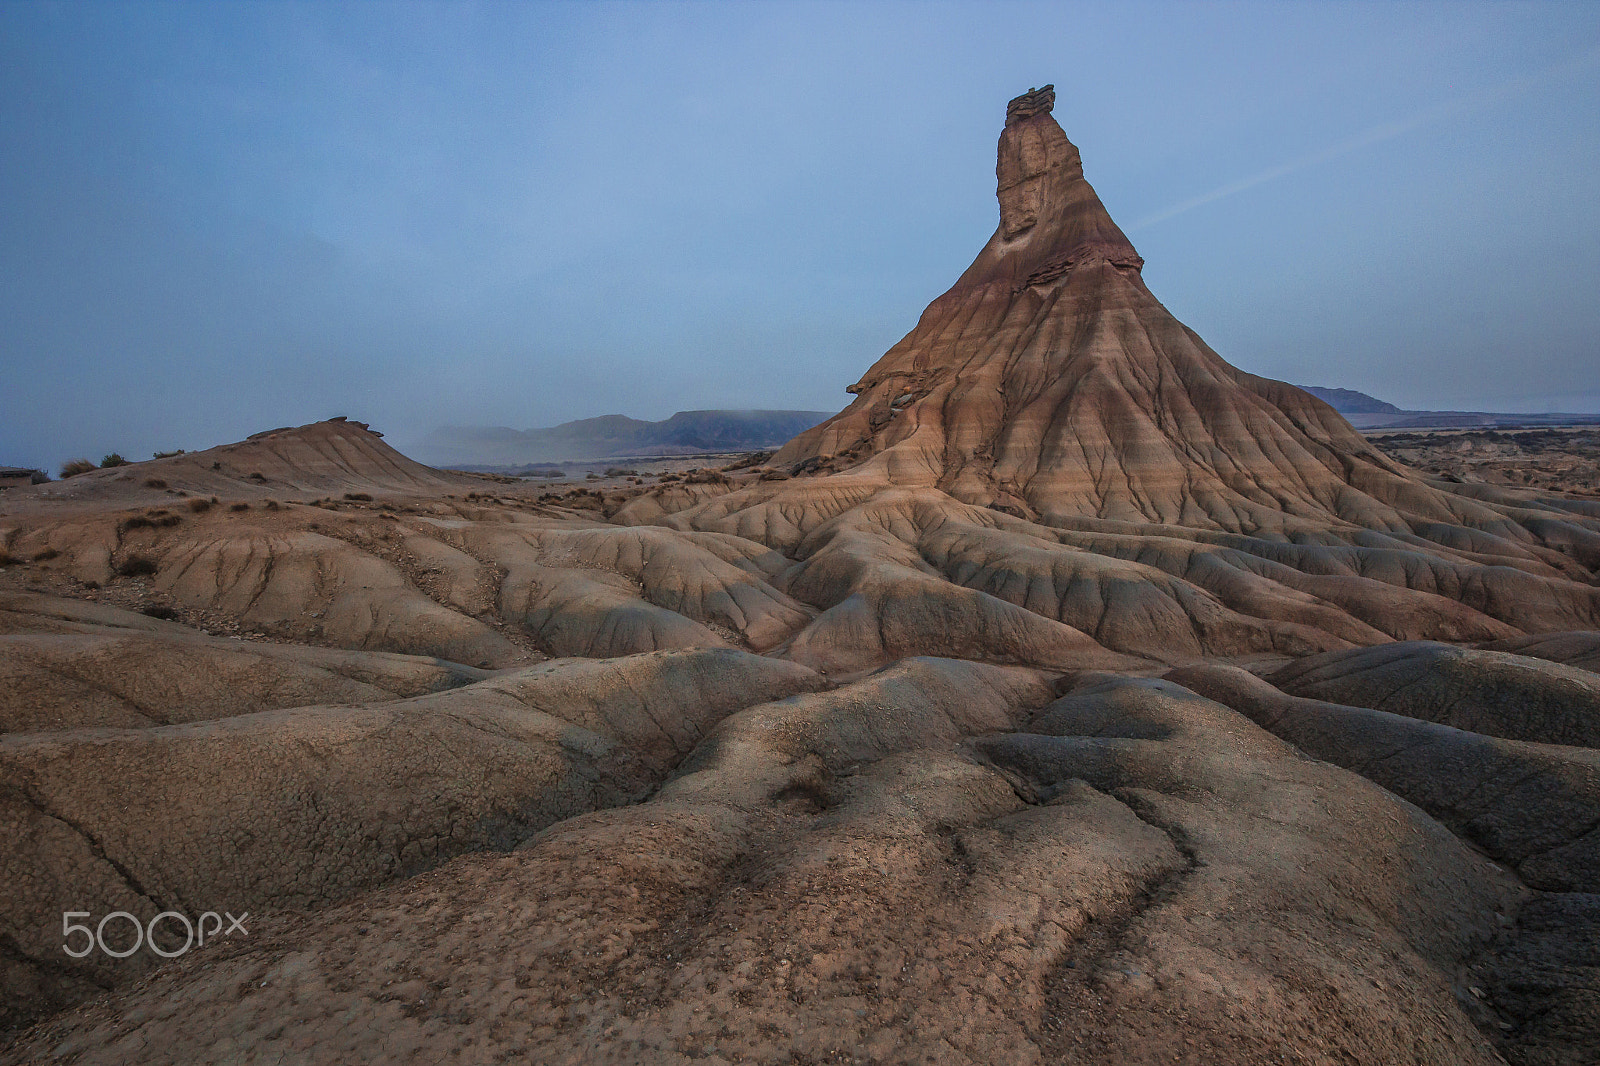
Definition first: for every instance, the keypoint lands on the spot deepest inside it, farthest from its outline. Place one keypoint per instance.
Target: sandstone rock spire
(1049, 382)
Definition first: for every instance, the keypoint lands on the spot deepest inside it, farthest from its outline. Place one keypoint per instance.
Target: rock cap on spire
(1033, 102)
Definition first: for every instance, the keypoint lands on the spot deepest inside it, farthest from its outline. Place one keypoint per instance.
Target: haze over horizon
(219, 219)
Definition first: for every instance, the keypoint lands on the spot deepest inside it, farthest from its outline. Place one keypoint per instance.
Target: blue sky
(219, 218)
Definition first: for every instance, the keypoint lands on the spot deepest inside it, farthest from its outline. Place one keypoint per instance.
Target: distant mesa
(1351, 402)
(1368, 412)
(617, 436)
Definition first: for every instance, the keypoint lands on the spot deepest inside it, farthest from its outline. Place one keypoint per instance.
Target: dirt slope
(1072, 697)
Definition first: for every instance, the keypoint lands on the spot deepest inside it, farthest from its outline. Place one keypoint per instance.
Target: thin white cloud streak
(1383, 132)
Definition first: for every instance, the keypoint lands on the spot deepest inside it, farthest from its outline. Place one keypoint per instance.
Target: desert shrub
(7, 559)
(273, 505)
(158, 611)
(256, 475)
(74, 467)
(365, 497)
(158, 519)
(239, 507)
(167, 455)
(617, 471)
(45, 556)
(137, 566)
(774, 475)
(113, 460)
(591, 477)
(199, 505)
(154, 483)
(706, 476)
(753, 459)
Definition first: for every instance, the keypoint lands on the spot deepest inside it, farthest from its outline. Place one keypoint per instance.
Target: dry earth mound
(930, 742)
(332, 457)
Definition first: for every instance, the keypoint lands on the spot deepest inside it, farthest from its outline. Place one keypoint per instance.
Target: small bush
(273, 505)
(239, 507)
(753, 459)
(74, 467)
(137, 566)
(154, 483)
(113, 460)
(706, 476)
(167, 455)
(617, 471)
(361, 496)
(256, 476)
(165, 613)
(154, 520)
(7, 559)
(592, 477)
(45, 556)
(199, 505)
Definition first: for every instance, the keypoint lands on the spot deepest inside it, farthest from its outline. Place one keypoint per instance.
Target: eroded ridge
(1072, 696)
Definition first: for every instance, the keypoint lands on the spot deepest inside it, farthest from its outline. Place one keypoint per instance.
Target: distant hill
(1369, 412)
(1351, 402)
(608, 436)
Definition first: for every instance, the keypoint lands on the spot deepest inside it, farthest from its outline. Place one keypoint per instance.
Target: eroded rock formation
(1073, 696)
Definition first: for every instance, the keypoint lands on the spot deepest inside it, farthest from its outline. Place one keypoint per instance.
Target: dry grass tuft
(137, 566)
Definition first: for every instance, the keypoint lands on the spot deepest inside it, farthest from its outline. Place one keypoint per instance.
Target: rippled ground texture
(1071, 697)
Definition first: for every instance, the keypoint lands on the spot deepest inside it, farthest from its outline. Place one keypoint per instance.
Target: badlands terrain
(1072, 696)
